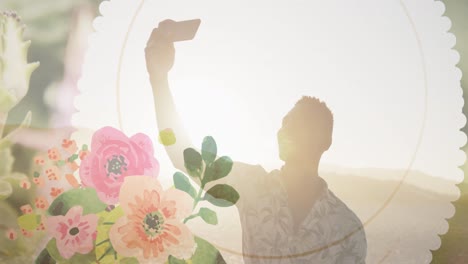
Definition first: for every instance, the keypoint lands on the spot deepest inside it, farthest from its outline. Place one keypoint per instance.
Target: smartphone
(181, 30)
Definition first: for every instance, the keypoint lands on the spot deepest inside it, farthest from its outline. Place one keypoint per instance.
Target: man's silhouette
(289, 213)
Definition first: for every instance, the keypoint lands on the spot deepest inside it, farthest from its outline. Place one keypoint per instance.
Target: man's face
(302, 138)
(295, 140)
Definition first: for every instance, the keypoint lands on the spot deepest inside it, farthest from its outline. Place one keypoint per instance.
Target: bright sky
(252, 60)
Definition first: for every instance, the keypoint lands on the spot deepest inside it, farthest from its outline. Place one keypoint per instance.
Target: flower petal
(116, 239)
(186, 243)
(135, 186)
(65, 250)
(102, 136)
(74, 213)
(53, 223)
(178, 200)
(91, 220)
(144, 143)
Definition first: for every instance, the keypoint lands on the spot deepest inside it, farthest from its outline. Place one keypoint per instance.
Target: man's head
(306, 131)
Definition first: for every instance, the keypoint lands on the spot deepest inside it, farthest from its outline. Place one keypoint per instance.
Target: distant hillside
(415, 178)
(406, 229)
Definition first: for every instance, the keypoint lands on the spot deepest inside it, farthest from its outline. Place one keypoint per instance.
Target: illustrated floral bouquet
(100, 203)
(120, 213)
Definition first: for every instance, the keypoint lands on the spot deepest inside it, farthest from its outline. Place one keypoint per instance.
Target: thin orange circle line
(119, 67)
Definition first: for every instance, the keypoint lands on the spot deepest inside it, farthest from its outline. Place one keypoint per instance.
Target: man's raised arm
(160, 55)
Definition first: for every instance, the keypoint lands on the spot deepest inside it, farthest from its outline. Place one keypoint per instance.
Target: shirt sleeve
(243, 178)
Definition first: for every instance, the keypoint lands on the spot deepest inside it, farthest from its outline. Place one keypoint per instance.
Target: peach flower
(69, 146)
(152, 227)
(41, 203)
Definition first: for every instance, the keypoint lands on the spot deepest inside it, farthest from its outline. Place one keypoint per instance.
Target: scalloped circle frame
(114, 66)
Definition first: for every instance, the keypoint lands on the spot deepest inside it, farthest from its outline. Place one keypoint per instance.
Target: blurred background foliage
(48, 26)
(49, 23)
(52, 27)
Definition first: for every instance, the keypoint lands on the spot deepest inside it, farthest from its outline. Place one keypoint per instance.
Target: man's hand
(159, 52)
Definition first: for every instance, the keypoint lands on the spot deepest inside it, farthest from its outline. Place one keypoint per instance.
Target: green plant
(15, 74)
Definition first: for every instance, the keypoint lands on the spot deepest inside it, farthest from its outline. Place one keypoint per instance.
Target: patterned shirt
(330, 233)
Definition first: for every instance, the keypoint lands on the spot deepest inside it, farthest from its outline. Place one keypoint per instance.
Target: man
(288, 215)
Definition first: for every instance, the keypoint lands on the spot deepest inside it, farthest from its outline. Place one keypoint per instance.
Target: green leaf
(217, 170)
(209, 150)
(29, 221)
(222, 195)
(5, 190)
(206, 253)
(86, 198)
(193, 162)
(77, 258)
(181, 182)
(45, 258)
(73, 157)
(103, 248)
(208, 215)
(173, 260)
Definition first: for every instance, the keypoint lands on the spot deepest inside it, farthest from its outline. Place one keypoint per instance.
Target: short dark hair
(310, 110)
(317, 107)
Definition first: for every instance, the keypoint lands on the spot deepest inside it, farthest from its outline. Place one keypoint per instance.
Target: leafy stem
(198, 197)
(191, 217)
(105, 253)
(102, 242)
(195, 203)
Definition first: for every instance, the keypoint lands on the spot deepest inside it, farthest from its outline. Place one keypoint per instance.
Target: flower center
(74, 231)
(152, 224)
(115, 166)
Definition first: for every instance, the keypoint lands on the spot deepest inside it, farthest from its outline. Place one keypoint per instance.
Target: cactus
(15, 71)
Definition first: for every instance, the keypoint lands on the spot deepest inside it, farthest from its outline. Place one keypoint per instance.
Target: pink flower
(73, 232)
(152, 227)
(114, 156)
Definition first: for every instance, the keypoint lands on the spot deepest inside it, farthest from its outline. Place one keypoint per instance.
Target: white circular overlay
(386, 69)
